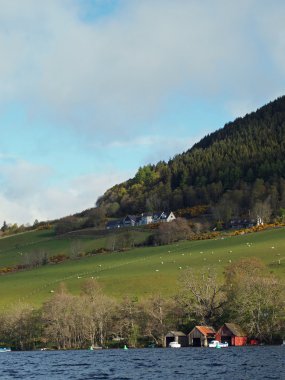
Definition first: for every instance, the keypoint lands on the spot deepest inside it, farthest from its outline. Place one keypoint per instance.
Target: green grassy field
(14, 248)
(137, 272)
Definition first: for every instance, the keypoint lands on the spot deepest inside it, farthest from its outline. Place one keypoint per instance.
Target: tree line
(247, 294)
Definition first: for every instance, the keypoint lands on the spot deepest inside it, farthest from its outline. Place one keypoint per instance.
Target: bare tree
(127, 323)
(20, 326)
(35, 258)
(111, 242)
(262, 211)
(226, 208)
(202, 295)
(256, 299)
(57, 316)
(158, 317)
(121, 241)
(75, 249)
(99, 312)
(178, 229)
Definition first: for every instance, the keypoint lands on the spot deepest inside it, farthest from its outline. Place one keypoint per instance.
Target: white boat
(217, 344)
(174, 345)
(4, 349)
(91, 348)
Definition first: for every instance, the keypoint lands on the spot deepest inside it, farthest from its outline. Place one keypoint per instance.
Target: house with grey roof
(142, 219)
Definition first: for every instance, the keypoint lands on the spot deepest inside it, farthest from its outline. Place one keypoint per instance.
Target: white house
(163, 217)
(145, 218)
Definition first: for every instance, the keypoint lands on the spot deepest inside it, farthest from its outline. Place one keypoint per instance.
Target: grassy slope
(13, 248)
(136, 272)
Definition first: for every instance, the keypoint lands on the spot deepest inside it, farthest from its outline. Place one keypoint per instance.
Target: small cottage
(232, 334)
(200, 336)
(168, 217)
(129, 221)
(163, 217)
(145, 218)
(176, 336)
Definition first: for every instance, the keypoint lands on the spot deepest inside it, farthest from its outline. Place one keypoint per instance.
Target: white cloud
(239, 108)
(110, 75)
(21, 178)
(148, 141)
(112, 79)
(165, 148)
(158, 147)
(27, 192)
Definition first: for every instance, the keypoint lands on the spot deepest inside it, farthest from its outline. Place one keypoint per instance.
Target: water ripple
(190, 363)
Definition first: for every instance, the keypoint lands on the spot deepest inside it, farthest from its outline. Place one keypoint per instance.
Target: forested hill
(240, 165)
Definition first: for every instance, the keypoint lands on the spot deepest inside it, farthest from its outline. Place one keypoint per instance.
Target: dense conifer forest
(235, 171)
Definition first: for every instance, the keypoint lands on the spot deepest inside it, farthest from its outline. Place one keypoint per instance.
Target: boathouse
(232, 334)
(200, 336)
(176, 336)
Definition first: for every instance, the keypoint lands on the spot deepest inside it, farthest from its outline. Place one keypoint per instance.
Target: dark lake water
(231, 363)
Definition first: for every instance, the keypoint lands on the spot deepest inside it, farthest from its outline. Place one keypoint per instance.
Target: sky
(90, 90)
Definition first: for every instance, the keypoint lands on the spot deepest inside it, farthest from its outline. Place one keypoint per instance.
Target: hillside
(137, 272)
(236, 171)
(233, 170)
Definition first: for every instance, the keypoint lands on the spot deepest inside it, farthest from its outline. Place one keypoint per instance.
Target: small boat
(174, 345)
(125, 347)
(91, 348)
(5, 349)
(217, 344)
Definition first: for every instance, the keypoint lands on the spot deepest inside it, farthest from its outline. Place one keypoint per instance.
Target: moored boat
(5, 349)
(91, 348)
(174, 345)
(217, 344)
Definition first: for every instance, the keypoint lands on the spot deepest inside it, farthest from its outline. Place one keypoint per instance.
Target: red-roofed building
(232, 334)
(200, 336)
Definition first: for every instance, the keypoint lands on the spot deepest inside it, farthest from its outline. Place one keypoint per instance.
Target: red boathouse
(232, 334)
